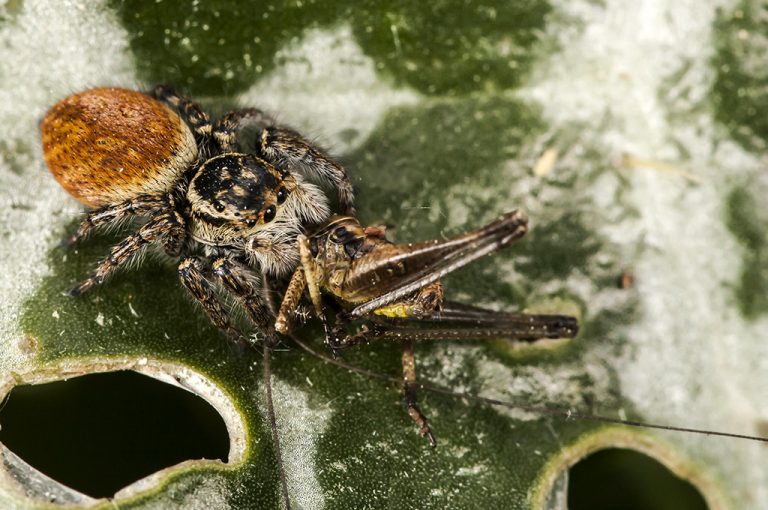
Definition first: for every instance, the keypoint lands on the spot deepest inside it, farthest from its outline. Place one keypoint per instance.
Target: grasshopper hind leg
(456, 321)
(452, 321)
(409, 392)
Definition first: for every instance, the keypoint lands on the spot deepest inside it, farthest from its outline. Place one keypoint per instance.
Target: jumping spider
(220, 210)
(223, 211)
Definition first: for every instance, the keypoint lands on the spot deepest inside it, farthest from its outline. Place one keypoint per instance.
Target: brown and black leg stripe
(192, 276)
(143, 205)
(199, 121)
(235, 279)
(225, 129)
(282, 146)
(122, 252)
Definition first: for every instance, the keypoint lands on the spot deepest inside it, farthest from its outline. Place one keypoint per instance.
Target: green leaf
(440, 113)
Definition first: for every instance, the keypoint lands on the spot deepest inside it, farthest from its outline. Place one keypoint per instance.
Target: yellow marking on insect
(397, 310)
(630, 161)
(546, 163)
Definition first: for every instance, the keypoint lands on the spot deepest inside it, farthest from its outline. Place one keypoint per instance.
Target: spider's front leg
(284, 147)
(225, 129)
(192, 273)
(237, 281)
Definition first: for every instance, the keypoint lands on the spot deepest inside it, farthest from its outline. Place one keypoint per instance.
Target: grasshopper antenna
(562, 412)
(568, 413)
(273, 426)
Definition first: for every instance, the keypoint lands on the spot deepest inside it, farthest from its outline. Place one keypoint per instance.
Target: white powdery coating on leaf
(49, 50)
(209, 492)
(529, 385)
(693, 360)
(299, 425)
(327, 64)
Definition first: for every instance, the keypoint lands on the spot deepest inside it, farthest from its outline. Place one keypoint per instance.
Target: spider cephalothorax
(241, 201)
(220, 210)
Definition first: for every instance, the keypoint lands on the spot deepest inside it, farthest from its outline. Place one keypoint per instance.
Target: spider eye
(269, 214)
(250, 222)
(282, 194)
(219, 207)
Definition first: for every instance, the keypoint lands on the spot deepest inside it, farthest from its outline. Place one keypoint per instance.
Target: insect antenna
(562, 412)
(273, 425)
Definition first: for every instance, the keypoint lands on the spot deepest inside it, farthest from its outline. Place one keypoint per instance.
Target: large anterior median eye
(269, 214)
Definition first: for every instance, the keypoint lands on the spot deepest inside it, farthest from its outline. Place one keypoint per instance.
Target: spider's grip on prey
(159, 161)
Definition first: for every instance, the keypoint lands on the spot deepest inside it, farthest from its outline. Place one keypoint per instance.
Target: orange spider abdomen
(107, 145)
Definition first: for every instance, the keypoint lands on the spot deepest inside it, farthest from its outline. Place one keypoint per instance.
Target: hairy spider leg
(140, 206)
(284, 147)
(170, 223)
(225, 129)
(197, 120)
(236, 280)
(192, 273)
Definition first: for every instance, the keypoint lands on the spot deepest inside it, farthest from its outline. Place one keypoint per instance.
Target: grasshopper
(398, 288)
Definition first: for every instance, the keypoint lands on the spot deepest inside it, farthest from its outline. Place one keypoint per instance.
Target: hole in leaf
(98, 433)
(615, 478)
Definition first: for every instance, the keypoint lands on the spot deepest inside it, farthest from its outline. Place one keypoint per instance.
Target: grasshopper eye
(339, 235)
(282, 194)
(269, 214)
